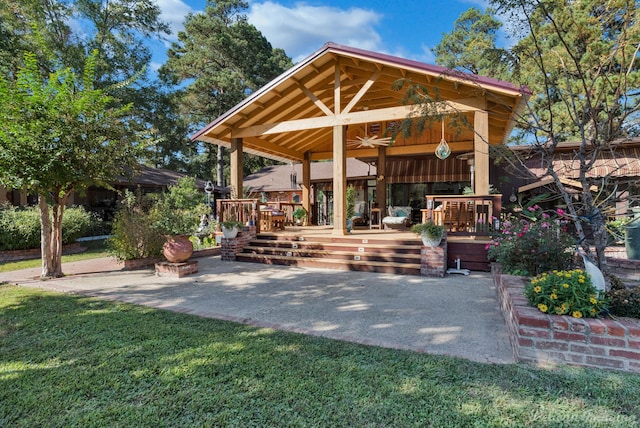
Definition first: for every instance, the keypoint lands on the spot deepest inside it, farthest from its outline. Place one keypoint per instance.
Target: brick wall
(233, 246)
(433, 260)
(543, 339)
(15, 255)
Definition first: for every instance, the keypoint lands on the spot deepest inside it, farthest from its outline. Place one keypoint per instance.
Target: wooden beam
(390, 113)
(326, 110)
(361, 92)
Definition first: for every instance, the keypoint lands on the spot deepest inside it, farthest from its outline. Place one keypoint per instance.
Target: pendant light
(443, 150)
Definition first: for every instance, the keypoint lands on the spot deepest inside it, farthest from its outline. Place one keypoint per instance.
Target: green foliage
(623, 301)
(532, 243)
(178, 211)
(133, 235)
(351, 201)
(565, 293)
(430, 229)
(299, 213)
(20, 227)
(231, 224)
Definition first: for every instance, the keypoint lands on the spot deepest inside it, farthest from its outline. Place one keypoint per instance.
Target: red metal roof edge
(335, 47)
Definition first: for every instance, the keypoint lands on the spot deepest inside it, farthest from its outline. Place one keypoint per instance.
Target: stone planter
(429, 241)
(177, 249)
(229, 233)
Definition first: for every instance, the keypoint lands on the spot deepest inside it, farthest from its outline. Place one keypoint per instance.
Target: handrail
(464, 215)
(242, 210)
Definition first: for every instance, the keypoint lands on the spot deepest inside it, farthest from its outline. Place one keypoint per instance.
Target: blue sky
(408, 29)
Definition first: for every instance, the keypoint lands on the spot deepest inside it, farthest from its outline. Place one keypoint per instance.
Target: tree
(471, 46)
(580, 60)
(60, 134)
(220, 59)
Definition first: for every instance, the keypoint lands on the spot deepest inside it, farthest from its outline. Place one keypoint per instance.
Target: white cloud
(303, 29)
(174, 13)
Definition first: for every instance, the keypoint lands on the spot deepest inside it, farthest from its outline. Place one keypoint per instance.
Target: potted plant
(430, 232)
(176, 214)
(230, 228)
(299, 214)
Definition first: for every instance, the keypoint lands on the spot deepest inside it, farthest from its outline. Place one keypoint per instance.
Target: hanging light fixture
(443, 150)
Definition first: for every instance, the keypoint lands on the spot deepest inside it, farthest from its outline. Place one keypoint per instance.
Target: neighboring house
(103, 201)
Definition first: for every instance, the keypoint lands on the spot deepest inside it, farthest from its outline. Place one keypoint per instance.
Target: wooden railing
(464, 215)
(242, 210)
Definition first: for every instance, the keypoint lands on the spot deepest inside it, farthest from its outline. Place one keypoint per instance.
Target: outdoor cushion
(399, 217)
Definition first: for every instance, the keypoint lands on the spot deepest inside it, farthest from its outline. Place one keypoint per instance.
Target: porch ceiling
(339, 85)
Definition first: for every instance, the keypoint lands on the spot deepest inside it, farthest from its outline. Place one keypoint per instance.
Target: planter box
(543, 339)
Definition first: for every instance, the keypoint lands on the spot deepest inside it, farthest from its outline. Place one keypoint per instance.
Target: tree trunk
(220, 167)
(51, 237)
(45, 238)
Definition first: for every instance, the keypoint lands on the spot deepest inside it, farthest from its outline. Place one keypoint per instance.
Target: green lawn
(95, 249)
(68, 360)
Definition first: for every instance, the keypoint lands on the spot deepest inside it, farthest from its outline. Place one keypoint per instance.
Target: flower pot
(229, 233)
(177, 249)
(349, 225)
(430, 241)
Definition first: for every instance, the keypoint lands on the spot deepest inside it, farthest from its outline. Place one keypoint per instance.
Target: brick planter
(151, 261)
(543, 339)
(233, 246)
(433, 260)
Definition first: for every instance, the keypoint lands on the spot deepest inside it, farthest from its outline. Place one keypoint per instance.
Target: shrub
(623, 301)
(178, 211)
(533, 243)
(565, 293)
(20, 227)
(76, 222)
(133, 235)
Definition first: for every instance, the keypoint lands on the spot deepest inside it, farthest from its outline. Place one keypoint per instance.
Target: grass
(69, 360)
(95, 249)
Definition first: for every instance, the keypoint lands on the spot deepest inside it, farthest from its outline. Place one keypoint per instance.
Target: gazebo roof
(295, 113)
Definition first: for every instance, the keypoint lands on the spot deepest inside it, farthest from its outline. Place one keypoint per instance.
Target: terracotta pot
(177, 249)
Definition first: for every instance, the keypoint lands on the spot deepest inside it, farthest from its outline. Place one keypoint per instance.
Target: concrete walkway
(457, 316)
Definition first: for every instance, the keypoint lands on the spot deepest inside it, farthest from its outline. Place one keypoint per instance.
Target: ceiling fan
(368, 141)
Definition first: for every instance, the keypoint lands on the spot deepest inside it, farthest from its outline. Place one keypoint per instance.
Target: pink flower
(560, 211)
(486, 247)
(545, 215)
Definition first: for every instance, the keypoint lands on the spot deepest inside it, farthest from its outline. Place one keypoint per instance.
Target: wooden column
(236, 168)
(339, 180)
(381, 185)
(306, 185)
(481, 152)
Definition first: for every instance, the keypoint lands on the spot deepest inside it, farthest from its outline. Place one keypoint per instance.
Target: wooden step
(330, 263)
(369, 254)
(384, 248)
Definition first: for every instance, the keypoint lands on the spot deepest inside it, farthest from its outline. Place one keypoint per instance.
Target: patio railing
(464, 215)
(242, 210)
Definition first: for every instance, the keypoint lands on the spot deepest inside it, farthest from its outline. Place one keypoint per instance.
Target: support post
(236, 168)
(306, 185)
(481, 152)
(339, 180)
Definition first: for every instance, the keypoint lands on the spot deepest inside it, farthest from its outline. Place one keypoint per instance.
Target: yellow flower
(565, 285)
(576, 314)
(537, 289)
(593, 300)
(553, 296)
(581, 281)
(593, 311)
(543, 307)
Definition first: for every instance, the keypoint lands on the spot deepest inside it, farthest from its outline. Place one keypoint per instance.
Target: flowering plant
(565, 292)
(534, 242)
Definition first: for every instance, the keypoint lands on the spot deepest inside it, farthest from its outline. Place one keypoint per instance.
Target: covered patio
(340, 103)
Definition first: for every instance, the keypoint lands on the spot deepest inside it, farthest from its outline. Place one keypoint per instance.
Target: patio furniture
(399, 217)
(271, 220)
(359, 216)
